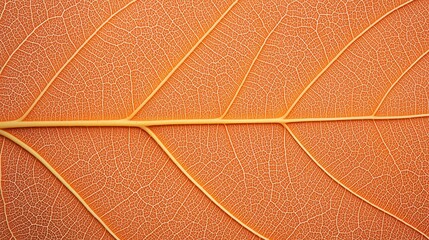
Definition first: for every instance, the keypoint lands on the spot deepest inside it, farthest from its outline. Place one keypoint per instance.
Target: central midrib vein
(148, 123)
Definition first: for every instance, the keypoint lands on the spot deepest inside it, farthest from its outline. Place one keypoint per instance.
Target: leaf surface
(215, 120)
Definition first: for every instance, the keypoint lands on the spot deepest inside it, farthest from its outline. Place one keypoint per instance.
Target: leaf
(215, 120)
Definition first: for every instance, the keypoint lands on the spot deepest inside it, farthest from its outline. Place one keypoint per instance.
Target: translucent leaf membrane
(37, 39)
(214, 119)
(385, 162)
(102, 66)
(295, 43)
(36, 204)
(305, 43)
(131, 183)
(410, 93)
(357, 81)
(208, 79)
(265, 178)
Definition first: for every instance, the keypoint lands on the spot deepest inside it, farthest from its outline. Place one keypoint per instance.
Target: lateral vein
(180, 62)
(58, 176)
(212, 199)
(345, 187)
(397, 80)
(251, 67)
(70, 59)
(2, 196)
(338, 55)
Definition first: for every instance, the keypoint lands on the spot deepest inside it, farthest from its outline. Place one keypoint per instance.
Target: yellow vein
(1, 193)
(170, 155)
(22, 43)
(397, 80)
(148, 123)
(180, 62)
(235, 154)
(251, 66)
(70, 59)
(2, 11)
(345, 187)
(338, 55)
(58, 176)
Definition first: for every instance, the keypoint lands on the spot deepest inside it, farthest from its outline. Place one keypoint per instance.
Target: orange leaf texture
(223, 119)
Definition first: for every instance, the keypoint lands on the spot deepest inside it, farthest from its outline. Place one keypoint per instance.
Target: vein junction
(148, 123)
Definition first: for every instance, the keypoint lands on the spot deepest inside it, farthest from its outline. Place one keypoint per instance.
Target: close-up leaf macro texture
(212, 119)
